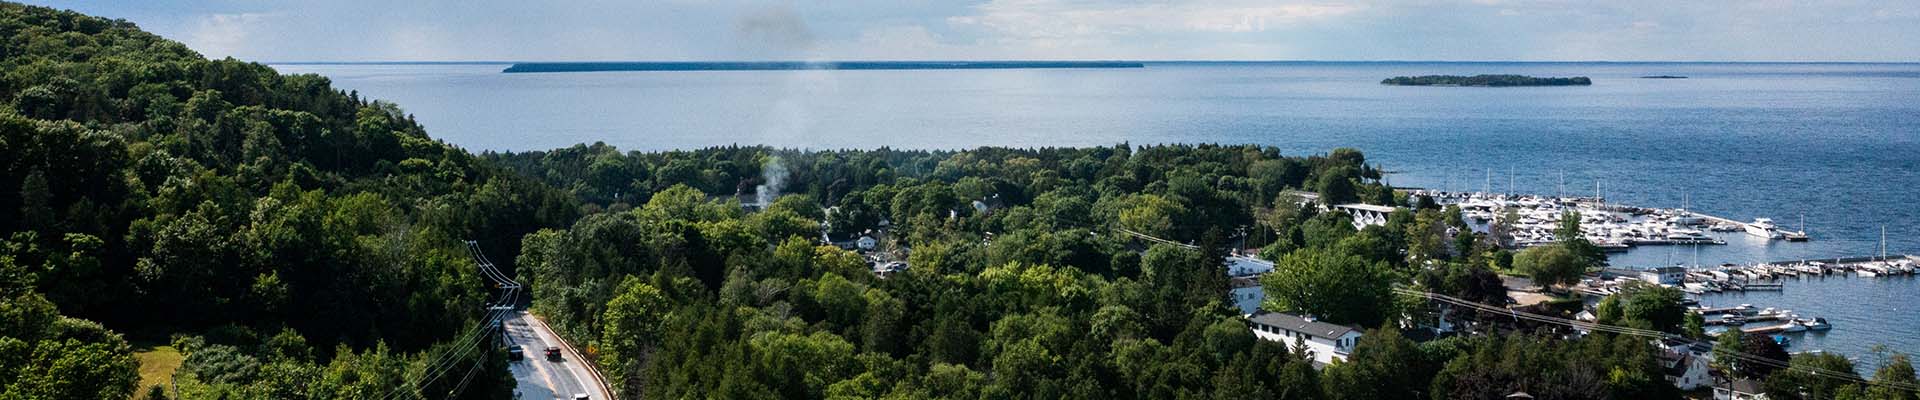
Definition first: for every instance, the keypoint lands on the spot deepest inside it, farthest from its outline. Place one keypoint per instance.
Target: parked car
(515, 353)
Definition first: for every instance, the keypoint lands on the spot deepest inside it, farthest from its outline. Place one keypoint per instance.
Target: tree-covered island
(1485, 81)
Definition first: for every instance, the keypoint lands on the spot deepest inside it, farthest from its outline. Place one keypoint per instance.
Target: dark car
(515, 353)
(553, 353)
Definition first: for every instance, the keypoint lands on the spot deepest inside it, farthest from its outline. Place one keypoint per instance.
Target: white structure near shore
(1327, 342)
(1365, 215)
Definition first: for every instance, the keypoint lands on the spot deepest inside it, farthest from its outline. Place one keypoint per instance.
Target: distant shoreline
(799, 65)
(1151, 62)
(1485, 81)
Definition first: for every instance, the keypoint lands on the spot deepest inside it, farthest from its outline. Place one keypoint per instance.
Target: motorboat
(1815, 323)
(1763, 227)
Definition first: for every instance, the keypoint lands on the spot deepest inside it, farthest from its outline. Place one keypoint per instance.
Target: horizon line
(1164, 61)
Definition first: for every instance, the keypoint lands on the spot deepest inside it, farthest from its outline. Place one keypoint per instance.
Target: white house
(1327, 342)
(1664, 275)
(866, 243)
(1687, 364)
(1247, 294)
(1366, 214)
(1686, 370)
(1247, 266)
(1744, 389)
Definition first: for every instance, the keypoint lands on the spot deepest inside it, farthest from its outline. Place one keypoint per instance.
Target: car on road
(553, 353)
(579, 396)
(515, 353)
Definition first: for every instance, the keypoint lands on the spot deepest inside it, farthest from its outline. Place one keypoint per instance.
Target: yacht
(1763, 227)
(1815, 323)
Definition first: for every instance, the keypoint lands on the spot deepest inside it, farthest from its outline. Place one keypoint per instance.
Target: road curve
(541, 379)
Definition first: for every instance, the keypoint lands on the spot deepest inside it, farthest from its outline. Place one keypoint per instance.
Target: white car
(579, 396)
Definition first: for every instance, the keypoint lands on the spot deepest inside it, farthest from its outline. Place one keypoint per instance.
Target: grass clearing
(156, 366)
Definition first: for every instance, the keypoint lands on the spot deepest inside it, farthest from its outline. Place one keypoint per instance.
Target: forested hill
(289, 237)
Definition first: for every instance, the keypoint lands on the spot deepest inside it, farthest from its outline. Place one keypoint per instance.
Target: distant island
(1663, 77)
(1485, 80)
(804, 65)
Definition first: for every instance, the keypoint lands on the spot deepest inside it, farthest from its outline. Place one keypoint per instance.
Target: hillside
(251, 218)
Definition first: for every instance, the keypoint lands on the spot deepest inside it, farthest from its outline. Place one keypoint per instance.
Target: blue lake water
(1837, 144)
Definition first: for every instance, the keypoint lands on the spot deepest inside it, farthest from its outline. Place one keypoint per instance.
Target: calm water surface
(1836, 143)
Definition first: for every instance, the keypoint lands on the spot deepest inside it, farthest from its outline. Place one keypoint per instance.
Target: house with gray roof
(1327, 342)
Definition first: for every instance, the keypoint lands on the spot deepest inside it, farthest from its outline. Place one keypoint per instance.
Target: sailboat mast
(1560, 190)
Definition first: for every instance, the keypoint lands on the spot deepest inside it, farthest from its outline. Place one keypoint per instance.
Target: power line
(471, 341)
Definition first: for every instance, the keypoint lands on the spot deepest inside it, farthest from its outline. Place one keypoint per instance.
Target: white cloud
(1057, 19)
(283, 30)
(224, 35)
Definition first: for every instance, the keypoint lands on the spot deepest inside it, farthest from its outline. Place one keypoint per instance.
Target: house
(1686, 370)
(1247, 294)
(1687, 363)
(1365, 215)
(866, 243)
(1327, 342)
(1247, 266)
(1743, 389)
(1664, 275)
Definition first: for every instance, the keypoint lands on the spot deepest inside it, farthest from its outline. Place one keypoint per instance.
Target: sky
(742, 30)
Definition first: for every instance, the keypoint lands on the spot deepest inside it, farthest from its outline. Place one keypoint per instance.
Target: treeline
(284, 229)
(1215, 188)
(1485, 80)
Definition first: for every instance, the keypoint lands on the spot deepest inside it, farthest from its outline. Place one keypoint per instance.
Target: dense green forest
(1020, 282)
(292, 239)
(1485, 80)
(295, 241)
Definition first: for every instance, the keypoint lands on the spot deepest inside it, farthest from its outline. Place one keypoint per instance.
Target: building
(1365, 215)
(1247, 266)
(1685, 370)
(1744, 389)
(1664, 275)
(1247, 294)
(1327, 342)
(1686, 363)
(887, 269)
(866, 243)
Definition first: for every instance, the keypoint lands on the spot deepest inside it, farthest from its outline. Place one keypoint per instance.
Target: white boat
(1811, 269)
(1763, 227)
(1815, 323)
(1866, 273)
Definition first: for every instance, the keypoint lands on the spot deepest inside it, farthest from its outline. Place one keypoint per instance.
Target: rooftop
(1300, 324)
(1366, 207)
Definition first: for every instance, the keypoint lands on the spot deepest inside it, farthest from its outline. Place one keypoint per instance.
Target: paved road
(540, 378)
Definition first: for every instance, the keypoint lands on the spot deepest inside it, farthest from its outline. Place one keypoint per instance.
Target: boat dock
(1764, 276)
(1532, 220)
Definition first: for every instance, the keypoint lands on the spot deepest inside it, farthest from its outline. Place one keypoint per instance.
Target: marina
(1707, 283)
(1532, 220)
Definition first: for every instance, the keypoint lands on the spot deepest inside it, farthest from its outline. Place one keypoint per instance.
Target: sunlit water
(1835, 143)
